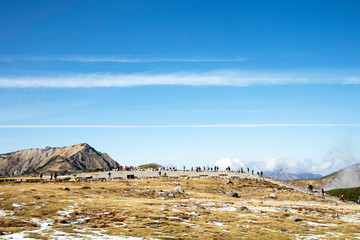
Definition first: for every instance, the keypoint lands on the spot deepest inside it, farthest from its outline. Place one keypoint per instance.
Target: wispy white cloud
(184, 126)
(276, 163)
(116, 59)
(214, 78)
(234, 163)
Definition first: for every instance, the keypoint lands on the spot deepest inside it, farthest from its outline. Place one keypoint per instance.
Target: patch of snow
(263, 209)
(327, 235)
(353, 218)
(217, 223)
(58, 235)
(269, 230)
(192, 213)
(4, 213)
(315, 224)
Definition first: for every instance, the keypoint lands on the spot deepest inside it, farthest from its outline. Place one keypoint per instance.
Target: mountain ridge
(282, 174)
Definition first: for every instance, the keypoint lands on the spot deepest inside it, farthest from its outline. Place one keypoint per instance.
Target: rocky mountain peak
(78, 157)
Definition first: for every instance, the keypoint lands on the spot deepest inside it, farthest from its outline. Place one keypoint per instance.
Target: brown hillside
(59, 159)
(326, 180)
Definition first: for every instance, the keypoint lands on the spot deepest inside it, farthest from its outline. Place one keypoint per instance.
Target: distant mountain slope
(344, 178)
(58, 159)
(284, 175)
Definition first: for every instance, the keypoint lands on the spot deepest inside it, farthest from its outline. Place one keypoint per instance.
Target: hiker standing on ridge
(341, 197)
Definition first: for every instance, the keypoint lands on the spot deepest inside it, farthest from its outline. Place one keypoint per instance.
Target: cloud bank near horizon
(339, 156)
(235, 78)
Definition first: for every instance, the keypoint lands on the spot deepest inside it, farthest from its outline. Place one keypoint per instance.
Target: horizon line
(183, 126)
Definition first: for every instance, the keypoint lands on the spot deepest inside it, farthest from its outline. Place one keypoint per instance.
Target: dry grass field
(152, 209)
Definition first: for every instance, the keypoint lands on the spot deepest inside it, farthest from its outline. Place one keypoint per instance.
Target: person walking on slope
(310, 188)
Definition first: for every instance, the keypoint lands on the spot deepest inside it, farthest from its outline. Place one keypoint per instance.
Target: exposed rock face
(59, 159)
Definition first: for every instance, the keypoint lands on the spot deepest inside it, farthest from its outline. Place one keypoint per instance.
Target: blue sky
(241, 83)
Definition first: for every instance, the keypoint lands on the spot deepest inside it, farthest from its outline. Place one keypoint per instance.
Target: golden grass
(203, 211)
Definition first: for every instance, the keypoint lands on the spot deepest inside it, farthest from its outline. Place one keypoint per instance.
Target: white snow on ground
(352, 218)
(16, 205)
(220, 224)
(45, 230)
(327, 235)
(226, 209)
(68, 211)
(264, 209)
(4, 213)
(316, 224)
(65, 236)
(356, 235)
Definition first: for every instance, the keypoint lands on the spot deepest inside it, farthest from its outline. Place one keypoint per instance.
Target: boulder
(242, 208)
(179, 189)
(282, 209)
(232, 194)
(272, 195)
(165, 194)
(161, 194)
(296, 219)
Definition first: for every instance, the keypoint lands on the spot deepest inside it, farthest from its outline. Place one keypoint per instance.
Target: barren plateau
(172, 208)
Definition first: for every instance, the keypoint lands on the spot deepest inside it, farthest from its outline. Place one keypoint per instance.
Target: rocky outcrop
(78, 157)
